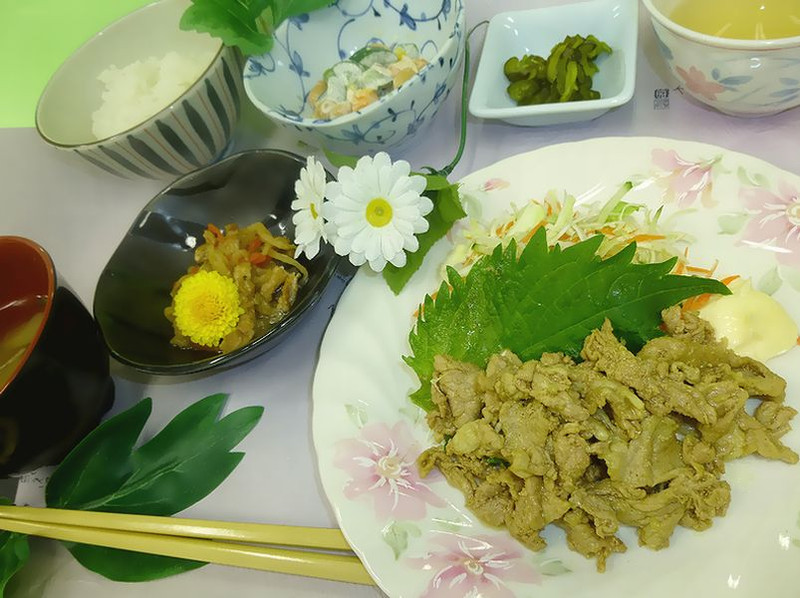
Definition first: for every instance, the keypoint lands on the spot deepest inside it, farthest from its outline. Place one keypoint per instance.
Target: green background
(35, 38)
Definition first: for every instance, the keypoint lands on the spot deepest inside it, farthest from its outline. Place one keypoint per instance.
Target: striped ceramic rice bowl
(192, 131)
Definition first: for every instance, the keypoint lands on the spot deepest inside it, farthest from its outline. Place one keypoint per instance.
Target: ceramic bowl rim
(240, 355)
(50, 269)
(120, 22)
(763, 45)
(619, 99)
(322, 125)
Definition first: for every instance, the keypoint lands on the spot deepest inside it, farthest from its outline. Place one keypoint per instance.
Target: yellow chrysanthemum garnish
(207, 307)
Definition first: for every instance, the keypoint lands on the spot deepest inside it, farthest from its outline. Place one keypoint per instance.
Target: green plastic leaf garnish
(14, 553)
(179, 466)
(436, 182)
(545, 300)
(446, 210)
(338, 160)
(248, 24)
(128, 566)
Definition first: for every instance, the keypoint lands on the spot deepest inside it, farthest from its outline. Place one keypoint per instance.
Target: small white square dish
(536, 31)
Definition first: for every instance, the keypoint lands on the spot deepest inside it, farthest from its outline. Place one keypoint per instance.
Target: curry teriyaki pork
(617, 439)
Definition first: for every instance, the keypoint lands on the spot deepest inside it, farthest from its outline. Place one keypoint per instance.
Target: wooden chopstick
(258, 533)
(336, 567)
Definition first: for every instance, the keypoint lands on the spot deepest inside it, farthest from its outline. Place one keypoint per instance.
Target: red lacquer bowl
(60, 385)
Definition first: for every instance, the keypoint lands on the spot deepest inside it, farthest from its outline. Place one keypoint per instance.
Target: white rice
(137, 91)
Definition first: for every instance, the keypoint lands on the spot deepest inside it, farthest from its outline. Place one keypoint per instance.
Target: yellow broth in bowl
(740, 19)
(26, 316)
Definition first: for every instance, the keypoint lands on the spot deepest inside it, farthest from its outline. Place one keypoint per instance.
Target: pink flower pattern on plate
(775, 221)
(493, 184)
(697, 83)
(475, 567)
(685, 181)
(382, 464)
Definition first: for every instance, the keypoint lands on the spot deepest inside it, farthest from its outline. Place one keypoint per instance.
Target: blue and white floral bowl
(278, 82)
(738, 77)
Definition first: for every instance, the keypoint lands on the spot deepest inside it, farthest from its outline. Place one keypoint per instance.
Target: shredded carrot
(215, 231)
(698, 270)
(681, 267)
(695, 303)
(798, 340)
(258, 259)
(645, 237)
(254, 245)
(703, 271)
(531, 232)
(504, 228)
(729, 279)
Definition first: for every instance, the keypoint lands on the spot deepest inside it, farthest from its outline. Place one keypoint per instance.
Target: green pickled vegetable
(564, 76)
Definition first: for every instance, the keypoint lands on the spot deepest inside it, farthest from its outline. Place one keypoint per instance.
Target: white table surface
(79, 214)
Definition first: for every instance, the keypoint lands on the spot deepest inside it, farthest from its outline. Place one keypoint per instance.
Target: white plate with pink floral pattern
(415, 535)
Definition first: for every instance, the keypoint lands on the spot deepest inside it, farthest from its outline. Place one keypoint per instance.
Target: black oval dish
(134, 287)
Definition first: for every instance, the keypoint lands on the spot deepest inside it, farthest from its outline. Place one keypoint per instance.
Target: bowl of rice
(143, 98)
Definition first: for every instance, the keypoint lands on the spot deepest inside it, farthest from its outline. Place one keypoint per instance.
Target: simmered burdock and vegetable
(243, 283)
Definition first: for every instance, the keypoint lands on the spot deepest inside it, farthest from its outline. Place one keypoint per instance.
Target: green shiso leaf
(179, 466)
(247, 24)
(14, 553)
(544, 301)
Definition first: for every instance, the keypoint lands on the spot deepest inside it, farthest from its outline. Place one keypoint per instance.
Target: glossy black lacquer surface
(62, 387)
(134, 287)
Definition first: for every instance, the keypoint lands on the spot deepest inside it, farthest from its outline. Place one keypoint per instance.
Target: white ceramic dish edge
(583, 18)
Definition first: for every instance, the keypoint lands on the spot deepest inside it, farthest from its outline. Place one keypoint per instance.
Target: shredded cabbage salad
(620, 222)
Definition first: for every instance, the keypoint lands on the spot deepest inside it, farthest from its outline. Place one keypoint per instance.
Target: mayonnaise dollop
(754, 323)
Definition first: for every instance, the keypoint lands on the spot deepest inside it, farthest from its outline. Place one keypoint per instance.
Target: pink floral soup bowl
(737, 77)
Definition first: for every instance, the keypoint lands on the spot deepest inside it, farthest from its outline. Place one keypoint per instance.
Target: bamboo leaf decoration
(14, 553)
(173, 470)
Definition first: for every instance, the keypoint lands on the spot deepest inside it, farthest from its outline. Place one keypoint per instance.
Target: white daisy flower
(309, 227)
(375, 210)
